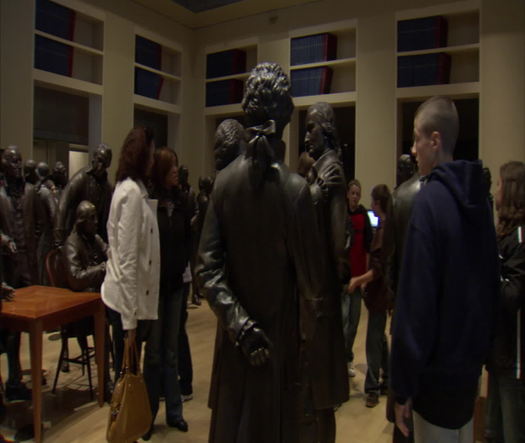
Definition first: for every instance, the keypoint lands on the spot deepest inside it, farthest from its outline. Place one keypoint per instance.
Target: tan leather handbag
(130, 412)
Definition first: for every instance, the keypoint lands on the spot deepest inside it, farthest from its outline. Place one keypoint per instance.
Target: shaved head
(439, 114)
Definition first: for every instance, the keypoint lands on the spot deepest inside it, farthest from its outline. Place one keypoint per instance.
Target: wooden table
(36, 309)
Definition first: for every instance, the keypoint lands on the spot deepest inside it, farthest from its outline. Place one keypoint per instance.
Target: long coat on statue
(257, 256)
(325, 351)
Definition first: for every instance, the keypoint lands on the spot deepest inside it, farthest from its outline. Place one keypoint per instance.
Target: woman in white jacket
(131, 287)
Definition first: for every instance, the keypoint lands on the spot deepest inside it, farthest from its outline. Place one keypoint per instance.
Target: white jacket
(131, 285)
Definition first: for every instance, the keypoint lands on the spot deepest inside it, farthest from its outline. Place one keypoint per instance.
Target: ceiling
(202, 13)
(204, 5)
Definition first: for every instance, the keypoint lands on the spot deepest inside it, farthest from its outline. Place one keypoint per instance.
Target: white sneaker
(351, 370)
(186, 397)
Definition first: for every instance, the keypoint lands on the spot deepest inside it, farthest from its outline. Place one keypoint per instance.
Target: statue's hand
(8, 243)
(255, 346)
(331, 178)
(6, 292)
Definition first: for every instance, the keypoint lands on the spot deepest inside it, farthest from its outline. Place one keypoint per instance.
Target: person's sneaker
(195, 299)
(372, 399)
(177, 422)
(17, 392)
(351, 370)
(186, 397)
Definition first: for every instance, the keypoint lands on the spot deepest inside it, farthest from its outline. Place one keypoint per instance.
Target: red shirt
(358, 251)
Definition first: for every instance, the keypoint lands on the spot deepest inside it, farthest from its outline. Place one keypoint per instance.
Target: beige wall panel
(502, 99)
(16, 75)
(376, 103)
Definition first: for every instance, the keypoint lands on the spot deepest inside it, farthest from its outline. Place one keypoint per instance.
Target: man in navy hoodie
(448, 286)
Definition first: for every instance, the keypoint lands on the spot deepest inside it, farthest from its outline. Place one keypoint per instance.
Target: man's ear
(436, 141)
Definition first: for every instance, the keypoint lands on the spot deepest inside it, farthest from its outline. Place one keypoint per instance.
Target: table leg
(35, 339)
(100, 338)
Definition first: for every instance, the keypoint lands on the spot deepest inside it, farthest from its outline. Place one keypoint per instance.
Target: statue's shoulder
(407, 190)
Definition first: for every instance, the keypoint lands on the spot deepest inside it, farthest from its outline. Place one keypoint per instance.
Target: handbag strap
(130, 363)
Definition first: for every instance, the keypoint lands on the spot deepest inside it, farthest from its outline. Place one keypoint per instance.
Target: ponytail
(260, 151)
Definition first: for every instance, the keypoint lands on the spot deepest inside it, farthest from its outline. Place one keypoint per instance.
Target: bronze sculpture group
(269, 247)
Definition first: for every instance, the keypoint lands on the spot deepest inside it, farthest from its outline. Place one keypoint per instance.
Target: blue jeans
(376, 351)
(160, 359)
(185, 363)
(505, 409)
(351, 309)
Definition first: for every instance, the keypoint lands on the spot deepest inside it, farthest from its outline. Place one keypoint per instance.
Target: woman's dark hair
(381, 194)
(163, 160)
(268, 106)
(511, 211)
(135, 154)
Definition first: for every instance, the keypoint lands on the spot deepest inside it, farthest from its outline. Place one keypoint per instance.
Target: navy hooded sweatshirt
(447, 294)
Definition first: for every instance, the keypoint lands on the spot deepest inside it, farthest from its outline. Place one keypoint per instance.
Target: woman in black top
(160, 362)
(506, 366)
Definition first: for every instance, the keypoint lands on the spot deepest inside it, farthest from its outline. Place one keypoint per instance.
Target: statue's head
(42, 170)
(228, 138)
(321, 133)
(101, 160)
(12, 163)
(267, 97)
(205, 184)
(59, 174)
(405, 168)
(86, 218)
(30, 174)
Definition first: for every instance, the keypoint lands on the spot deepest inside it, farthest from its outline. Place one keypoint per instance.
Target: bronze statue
(203, 198)
(405, 169)
(257, 256)
(305, 164)
(325, 355)
(189, 199)
(46, 191)
(19, 220)
(84, 256)
(30, 174)
(229, 141)
(44, 177)
(402, 202)
(85, 252)
(59, 177)
(91, 184)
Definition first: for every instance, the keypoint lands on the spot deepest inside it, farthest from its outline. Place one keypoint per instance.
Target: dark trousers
(351, 309)
(505, 409)
(185, 364)
(160, 360)
(11, 344)
(117, 332)
(376, 351)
